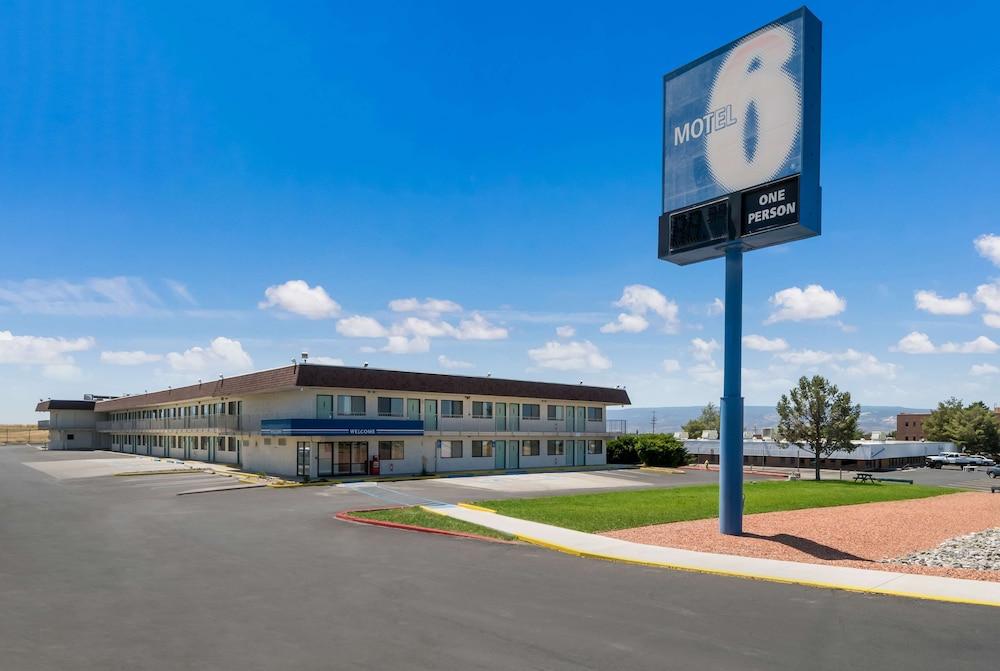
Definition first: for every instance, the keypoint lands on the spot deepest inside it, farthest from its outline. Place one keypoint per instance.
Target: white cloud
(404, 345)
(133, 358)
(929, 301)
(360, 326)
(989, 296)
(430, 306)
(849, 361)
(94, 297)
(423, 327)
(626, 323)
(706, 373)
(716, 307)
(445, 362)
(326, 360)
(762, 344)
(297, 297)
(914, 343)
(813, 302)
(181, 291)
(223, 354)
(702, 350)
(639, 300)
(988, 246)
(565, 331)
(980, 369)
(920, 343)
(981, 345)
(44, 350)
(806, 357)
(671, 366)
(479, 328)
(992, 320)
(573, 355)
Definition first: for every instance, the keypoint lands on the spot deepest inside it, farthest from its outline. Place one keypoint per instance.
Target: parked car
(993, 471)
(982, 460)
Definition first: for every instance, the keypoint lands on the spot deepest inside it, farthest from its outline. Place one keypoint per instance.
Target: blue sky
(162, 168)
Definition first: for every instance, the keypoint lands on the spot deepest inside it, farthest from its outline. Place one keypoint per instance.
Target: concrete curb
(868, 581)
(348, 516)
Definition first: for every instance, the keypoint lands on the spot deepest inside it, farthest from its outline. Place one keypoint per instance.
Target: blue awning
(341, 427)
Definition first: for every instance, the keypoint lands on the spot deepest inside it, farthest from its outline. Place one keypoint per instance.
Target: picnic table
(864, 477)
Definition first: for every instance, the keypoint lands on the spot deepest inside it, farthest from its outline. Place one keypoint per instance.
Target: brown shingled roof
(56, 404)
(312, 375)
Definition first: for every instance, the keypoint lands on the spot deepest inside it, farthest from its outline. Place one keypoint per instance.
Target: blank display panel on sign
(734, 121)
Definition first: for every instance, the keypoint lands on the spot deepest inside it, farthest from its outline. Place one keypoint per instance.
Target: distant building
(910, 425)
(868, 455)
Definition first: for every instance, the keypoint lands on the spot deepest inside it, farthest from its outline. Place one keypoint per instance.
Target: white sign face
(733, 120)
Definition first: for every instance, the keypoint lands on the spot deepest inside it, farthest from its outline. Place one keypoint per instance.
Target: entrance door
(513, 453)
(569, 452)
(343, 457)
(500, 411)
(499, 453)
(514, 419)
(570, 424)
(430, 415)
(413, 408)
(324, 459)
(581, 418)
(581, 453)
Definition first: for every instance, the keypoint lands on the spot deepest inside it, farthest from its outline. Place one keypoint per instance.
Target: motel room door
(513, 453)
(499, 453)
(581, 453)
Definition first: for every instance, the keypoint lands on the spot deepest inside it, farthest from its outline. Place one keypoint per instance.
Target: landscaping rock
(979, 551)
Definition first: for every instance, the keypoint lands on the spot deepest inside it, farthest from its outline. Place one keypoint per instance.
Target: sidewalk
(815, 575)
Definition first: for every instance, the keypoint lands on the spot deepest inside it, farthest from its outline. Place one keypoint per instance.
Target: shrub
(660, 449)
(622, 450)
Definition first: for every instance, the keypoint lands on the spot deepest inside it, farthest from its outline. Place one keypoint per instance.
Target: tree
(708, 420)
(973, 428)
(818, 417)
(661, 449)
(622, 450)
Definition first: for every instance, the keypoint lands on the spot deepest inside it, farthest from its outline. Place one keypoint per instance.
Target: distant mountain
(670, 419)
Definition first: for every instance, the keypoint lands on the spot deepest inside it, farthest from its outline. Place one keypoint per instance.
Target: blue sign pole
(731, 406)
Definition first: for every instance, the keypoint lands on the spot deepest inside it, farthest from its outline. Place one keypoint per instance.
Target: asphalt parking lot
(948, 477)
(109, 572)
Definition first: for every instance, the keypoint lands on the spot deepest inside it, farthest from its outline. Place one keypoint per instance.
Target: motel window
(69, 436)
(530, 448)
(556, 448)
(482, 448)
(595, 447)
(390, 449)
(482, 409)
(267, 441)
(450, 449)
(452, 409)
(390, 407)
(595, 414)
(281, 442)
(556, 413)
(351, 405)
(530, 411)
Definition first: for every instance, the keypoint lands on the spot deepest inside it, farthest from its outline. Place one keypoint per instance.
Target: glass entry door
(352, 458)
(324, 459)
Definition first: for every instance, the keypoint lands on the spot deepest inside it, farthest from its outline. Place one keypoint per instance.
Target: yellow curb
(173, 471)
(662, 469)
(751, 576)
(472, 506)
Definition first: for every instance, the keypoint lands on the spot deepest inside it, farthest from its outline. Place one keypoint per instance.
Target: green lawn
(624, 510)
(421, 518)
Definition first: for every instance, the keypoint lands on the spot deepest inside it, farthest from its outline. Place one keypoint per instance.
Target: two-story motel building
(316, 420)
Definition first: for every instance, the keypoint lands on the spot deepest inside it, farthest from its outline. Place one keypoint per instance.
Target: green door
(569, 418)
(430, 415)
(500, 453)
(514, 418)
(413, 408)
(501, 416)
(513, 452)
(569, 452)
(324, 406)
(581, 453)
(581, 418)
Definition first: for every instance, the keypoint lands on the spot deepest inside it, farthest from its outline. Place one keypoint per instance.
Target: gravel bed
(979, 551)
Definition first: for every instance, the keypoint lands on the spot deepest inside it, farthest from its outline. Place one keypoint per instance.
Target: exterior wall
(82, 439)
(910, 426)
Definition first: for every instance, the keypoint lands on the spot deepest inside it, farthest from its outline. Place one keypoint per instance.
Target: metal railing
(252, 423)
